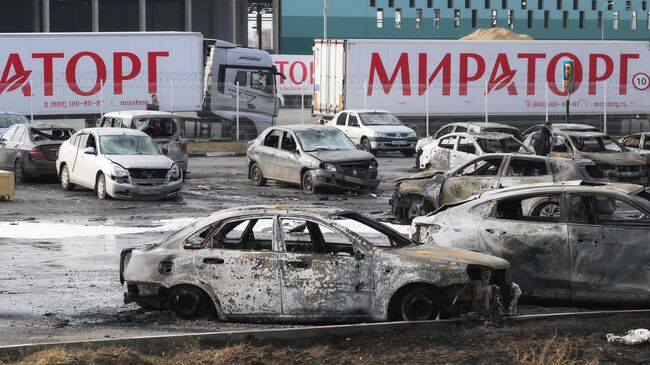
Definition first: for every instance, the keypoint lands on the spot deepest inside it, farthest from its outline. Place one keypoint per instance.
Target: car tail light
(184, 147)
(37, 154)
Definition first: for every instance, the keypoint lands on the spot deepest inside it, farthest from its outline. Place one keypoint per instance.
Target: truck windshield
(263, 81)
(379, 119)
(596, 144)
(327, 139)
(7, 120)
(157, 127)
(128, 145)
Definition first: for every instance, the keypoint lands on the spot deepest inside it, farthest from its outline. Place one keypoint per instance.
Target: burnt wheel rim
(186, 303)
(257, 176)
(309, 184)
(550, 210)
(18, 171)
(419, 305)
(65, 179)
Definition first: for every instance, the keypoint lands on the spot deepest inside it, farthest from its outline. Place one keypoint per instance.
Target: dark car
(7, 119)
(31, 149)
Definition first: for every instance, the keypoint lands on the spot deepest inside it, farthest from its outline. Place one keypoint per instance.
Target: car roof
(315, 211)
(581, 134)
(138, 113)
(484, 135)
(564, 126)
(304, 127)
(481, 125)
(570, 186)
(114, 131)
(365, 111)
(47, 125)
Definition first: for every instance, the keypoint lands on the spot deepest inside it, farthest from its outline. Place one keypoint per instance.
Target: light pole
(602, 19)
(325, 7)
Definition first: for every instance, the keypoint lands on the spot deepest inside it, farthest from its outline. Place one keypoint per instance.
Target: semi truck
(517, 82)
(79, 76)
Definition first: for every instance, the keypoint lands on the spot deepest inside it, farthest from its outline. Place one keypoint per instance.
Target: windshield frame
(603, 137)
(376, 225)
(103, 138)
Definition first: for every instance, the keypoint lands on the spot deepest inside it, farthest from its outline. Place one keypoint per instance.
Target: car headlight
(412, 134)
(379, 134)
(329, 167)
(373, 165)
(119, 171)
(175, 172)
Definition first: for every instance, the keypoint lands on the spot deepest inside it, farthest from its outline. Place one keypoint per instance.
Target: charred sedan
(571, 242)
(311, 156)
(424, 192)
(290, 263)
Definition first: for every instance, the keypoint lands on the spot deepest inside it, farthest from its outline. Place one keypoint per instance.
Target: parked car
(566, 127)
(7, 119)
(165, 128)
(569, 242)
(454, 149)
(297, 263)
(30, 149)
(376, 131)
(615, 161)
(422, 193)
(639, 143)
(118, 163)
(312, 156)
(471, 127)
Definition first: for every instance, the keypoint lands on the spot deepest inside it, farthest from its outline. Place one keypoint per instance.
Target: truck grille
(148, 173)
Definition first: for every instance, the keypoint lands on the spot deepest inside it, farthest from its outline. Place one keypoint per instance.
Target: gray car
(7, 119)
(312, 156)
(569, 242)
(308, 264)
(31, 149)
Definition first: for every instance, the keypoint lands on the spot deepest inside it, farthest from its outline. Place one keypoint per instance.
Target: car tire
(415, 207)
(187, 302)
(420, 304)
(65, 178)
(19, 171)
(417, 159)
(547, 210)
(100, 187)
(257, 177)
(365, 144)
(408, 153)
(309, 182)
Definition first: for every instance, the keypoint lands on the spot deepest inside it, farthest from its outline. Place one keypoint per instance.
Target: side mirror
(359, 255)
(295, 153)
(89, 150)
(359, 147)
(164, 151)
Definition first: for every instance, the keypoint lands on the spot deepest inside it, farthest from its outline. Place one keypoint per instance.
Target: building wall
(302, 21)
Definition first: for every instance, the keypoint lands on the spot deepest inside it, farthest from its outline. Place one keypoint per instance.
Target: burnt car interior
(521, 167)
(50, 134)
(529, 208)
(273, 139)
(595, 209)
(487, 167)
(304, 236)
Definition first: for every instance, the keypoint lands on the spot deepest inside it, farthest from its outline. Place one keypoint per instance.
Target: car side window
(559, 144)
(484, 167)
(288, 143)
(632, 141)
(306, 236)
(340, 120)
(81, 141)
(90, 142)
(273, 138)
(646, 143)
(9, 134)
(524, 167)
(445, 130)
(448, 142)
(254, 234)
(539, 208)
(18, 136)
(353, 121)
(461, 129)
(615, 212)
(117, 123)
(466, 145)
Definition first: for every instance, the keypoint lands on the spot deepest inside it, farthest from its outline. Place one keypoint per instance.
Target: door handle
(489, 230)
(213, 260)
(297, 264)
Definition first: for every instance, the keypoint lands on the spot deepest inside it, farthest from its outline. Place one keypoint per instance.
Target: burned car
(454, 149)
(639, 143)
(566, 127)
(615, 162)
(424, 192)
(296, 263)
(569, 242)
(312, 156)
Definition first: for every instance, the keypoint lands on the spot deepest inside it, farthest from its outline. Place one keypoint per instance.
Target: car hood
(426, 174)
(450, 254)
(390, 128)
(337, 156)
(618, 158)
(141, 161)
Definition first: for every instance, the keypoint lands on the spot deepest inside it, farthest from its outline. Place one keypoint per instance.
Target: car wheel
(101, 187)
(187, 302)
(547, 210)
(19, 171)
(365, 144)
(408, 153)
(256, 175)
(420, 304)
(308, 183)
(417, 206)
(65, 179)
(417, 159)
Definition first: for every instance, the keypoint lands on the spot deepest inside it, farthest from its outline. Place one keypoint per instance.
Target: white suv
(376, 130)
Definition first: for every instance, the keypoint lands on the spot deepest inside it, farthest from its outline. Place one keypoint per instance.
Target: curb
(309, 332)
(218, 154)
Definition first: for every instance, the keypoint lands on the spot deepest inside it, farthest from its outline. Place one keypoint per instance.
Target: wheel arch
(213, 302)
(400, 292)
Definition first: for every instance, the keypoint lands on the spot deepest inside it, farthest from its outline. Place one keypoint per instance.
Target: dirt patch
(217, 146)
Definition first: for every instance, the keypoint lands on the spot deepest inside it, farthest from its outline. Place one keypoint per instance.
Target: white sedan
(119, 163)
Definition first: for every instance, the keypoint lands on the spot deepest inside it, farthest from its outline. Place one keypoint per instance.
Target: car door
(609, 249)
(320, 274)
(464, 151)
(525, 170)
(341, 122)
(354, 128)
(6, 144)
(473, 178)
(535, 243)
(239, 262)
(288, 156)
(438, 156)
(268, 154)
(87, 165)
(13, 147)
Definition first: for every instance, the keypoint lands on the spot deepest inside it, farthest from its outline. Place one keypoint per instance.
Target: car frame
(266, 273)
(567, 127)
(633, 145)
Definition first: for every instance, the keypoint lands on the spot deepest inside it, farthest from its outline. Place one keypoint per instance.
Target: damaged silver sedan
(572, 242)
(287, 263)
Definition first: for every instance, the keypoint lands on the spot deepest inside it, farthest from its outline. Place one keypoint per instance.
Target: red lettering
(551, 71)
(153, 70)
(48, 70)
(19, 78)
(281, 70)
(505, 77)
(71, 73)
(622, 83)
(593, 70)
(292, 73)
(402, 66)
(311, 73)
(464, 76)
(118, 68)
(531, 70)
(444, 66)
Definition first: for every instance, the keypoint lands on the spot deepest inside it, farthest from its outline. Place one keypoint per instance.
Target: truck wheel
(65, 178)
(365, 144)
(420, 304)
(308, 183)
(257, 177)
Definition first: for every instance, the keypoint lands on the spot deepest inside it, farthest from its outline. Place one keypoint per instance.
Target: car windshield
(324, 139)
(50, 134)
(128, 145)
(379, 119)
(375, 233)
(502, 145)
(7, 120)
(596, 144)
